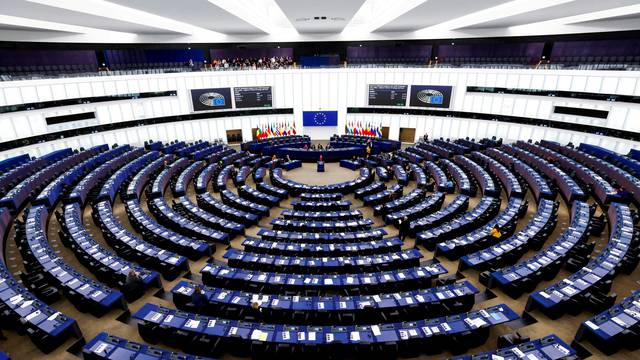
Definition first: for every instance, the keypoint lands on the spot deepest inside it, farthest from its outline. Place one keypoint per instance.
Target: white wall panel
(330, 89)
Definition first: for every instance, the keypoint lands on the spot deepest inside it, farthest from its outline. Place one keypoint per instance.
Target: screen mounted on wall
(387, 94)
(430, 96)
(320, 118)
(211, 99)
(253, 97)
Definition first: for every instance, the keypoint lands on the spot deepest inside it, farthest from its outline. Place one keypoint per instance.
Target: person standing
(198, 299)
(403, 225)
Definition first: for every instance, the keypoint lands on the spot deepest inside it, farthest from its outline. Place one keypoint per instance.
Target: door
(385, 132)
(408, 135)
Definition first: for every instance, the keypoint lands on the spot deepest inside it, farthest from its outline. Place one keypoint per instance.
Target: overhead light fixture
(575, 19)
(501, 11)
(118, 12)
(55, 26)
(374, 14)
(266, 15)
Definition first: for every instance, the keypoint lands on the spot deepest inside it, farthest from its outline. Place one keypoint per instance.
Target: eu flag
(320, 118)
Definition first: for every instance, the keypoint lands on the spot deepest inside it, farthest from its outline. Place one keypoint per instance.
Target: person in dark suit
(133, 287)
(403, 225)
(198, 299)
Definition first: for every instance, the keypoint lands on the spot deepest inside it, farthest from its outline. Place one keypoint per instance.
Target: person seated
(313, 146)
(256, 306)
(328, 147)
(450, 184)
(320, 147)
(288, 158)
(306, 146)
(274, 158)
(496, 233)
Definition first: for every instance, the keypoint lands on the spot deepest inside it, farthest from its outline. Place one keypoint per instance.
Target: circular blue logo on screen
(320, 118)
(212, 99)
(430, 96)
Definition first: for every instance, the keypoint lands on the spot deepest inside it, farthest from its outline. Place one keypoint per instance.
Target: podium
(320, 166)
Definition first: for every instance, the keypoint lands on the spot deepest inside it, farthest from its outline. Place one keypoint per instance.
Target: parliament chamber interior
(298, 179)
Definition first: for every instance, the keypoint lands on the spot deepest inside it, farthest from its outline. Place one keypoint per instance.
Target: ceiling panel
(199, 13)
(301, 13)
(434, 12)
(185, 21)
(25, 28)
(26, 9)
(554, 12)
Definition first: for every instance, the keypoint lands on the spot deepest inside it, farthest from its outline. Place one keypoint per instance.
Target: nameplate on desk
(354, 336)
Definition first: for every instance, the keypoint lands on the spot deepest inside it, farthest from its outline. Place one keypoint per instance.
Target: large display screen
(430, 96)
(387, 95)
(211, 99)
(320, 118)
(253, 97)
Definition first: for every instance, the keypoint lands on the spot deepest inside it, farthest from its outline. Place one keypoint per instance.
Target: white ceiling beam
(55, 26)
(501, 11)
(265, 15)
(374, 14)
(576, 19)
(118, 12)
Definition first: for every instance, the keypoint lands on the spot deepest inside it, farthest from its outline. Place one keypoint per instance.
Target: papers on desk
(15, 299)
(53, 316)
(475, 323)
(184, 290)
(259, 335)
(591, 325)
(620, 322)
(354, 336)
(32, 315)
(376, 330)
(192, 324)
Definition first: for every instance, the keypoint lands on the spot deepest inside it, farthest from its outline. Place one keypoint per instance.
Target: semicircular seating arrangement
(432, 250)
